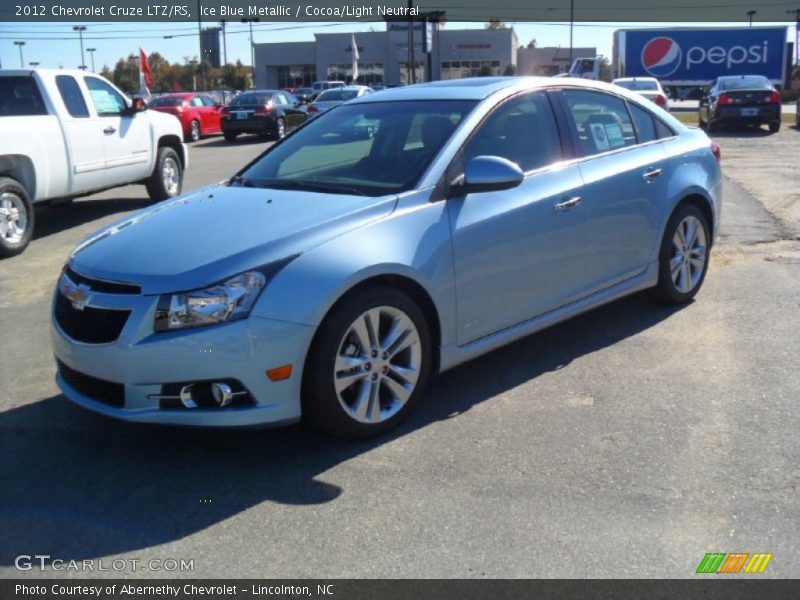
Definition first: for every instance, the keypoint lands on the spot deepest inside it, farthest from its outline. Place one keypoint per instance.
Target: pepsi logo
(661, 56)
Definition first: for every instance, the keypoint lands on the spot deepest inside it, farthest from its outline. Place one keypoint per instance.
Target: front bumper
(142, 361)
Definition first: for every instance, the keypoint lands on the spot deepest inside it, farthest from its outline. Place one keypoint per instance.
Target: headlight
(227, 301)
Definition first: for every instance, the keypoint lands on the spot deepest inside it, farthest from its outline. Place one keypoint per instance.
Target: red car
(198, 113)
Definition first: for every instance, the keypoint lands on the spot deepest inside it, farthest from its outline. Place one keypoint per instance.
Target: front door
(518, 253)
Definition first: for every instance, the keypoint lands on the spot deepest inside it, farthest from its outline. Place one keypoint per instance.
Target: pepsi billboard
(701, 55)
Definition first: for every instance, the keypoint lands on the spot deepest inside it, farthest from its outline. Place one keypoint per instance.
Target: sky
(57, 45)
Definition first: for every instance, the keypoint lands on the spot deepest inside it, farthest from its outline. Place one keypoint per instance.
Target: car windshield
(167, 101)
(337, 95)
(249, 98)
(370, 149)
(745, 83)
(638, 85)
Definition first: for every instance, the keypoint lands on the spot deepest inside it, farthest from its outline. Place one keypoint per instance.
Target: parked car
(649, 87)
(320, 86)
(222, 97)
(741, 99)
(198, 113)
(338, 275)
(67, 134)
(266, 112)
(304, 94)
(334, 97)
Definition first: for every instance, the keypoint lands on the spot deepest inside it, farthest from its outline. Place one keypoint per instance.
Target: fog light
(186, 397)
(222, 393)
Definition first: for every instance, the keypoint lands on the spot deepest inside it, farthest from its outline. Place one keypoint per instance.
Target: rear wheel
(194, 131)
(683, 257)
(229, 137)
(16, 217)
(775, 127)
(368, 365)
(167, 178)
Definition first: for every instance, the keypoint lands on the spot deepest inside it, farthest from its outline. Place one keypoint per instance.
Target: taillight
(724, 99)
(263, 110)
(312, 109)
(773, 98)
(660, 100)
(716, 151)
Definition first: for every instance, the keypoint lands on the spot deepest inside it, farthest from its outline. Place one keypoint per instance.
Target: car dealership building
(383, 56)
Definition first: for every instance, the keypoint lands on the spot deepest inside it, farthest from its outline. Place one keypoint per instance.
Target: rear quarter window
(20, 97)
(72, 96)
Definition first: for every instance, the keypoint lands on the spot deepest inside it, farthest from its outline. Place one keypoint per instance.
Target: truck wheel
(16, 218)
(167, 178)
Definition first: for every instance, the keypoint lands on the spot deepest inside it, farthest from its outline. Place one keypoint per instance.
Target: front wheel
(16, 218)
(166, 180)
(368, 365)
(683, 258)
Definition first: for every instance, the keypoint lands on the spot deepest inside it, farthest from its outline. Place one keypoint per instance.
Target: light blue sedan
(333, 275)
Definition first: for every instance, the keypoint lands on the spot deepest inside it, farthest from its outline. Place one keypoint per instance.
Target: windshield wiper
(242, 181)
(311, 186)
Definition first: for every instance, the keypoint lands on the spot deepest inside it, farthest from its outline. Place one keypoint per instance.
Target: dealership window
(419, 72)
(368, 73)
(72, 96)
(459, 69)
(602, 121)
(296, 76)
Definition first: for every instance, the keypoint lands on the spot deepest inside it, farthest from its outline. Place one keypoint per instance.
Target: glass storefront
(368, 73)
(296, 76)
(458, 69)
(419, 72)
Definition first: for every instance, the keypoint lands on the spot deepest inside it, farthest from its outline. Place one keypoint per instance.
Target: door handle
(568, 204)
(651, 174)
(109, 130)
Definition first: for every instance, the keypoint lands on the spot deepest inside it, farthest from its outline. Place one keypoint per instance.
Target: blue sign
(700, 55)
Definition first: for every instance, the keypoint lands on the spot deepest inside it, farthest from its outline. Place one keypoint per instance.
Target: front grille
(99, 390)
(98, 285)
(90, 325)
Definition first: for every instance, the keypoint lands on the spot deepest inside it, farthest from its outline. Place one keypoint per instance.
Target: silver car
(336, 96)
(334, 274)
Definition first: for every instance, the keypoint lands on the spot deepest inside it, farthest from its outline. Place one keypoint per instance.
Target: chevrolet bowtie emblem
(78, 295)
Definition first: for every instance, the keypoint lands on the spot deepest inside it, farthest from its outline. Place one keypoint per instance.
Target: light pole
(571, 25)
(80, 29)
(796, 13)
(200, 42)
(224, 44)
(34, 63)
(750, 14)
(252, 48)
(194, 75)
(20, 44)
(91, 54)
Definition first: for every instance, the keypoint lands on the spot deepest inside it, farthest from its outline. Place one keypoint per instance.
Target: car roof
(729, 77)
(634, 79)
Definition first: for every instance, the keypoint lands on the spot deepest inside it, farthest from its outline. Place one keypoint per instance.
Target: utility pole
(571, 25)
(91, 54)
(412, 75)
(20, 43)
(34, 63)
(80, 29)
(796, 13)
(750, 14)
(200, 42)
(224, 44)
(252, 48)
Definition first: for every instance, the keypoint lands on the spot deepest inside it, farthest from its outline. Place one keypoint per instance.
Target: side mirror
(489, 174)
(137, 105)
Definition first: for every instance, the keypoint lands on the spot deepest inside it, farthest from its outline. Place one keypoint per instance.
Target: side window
(280, 99)
(197, 102)
(602, 121)
(20, 97)
(645, 124)
(207, 101)
(71, 95)
(663, 130)
(523, 130)
(107, 101)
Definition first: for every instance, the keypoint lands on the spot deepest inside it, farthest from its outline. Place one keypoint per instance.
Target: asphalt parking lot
(625, 443)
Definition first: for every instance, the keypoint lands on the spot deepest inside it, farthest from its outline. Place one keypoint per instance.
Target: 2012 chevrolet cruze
(399, 234)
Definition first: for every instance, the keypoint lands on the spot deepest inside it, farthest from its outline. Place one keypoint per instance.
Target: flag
(145, 79)
(355, 56)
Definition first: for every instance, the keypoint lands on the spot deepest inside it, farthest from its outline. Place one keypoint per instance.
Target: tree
(496, 24)
(510, 69)
(485, 71)
(605, 69)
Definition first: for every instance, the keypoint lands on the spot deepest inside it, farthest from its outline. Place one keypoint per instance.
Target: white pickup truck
(65, 134)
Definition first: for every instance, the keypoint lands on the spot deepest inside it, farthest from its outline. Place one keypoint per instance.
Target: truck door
(84, 139)
(127, 143)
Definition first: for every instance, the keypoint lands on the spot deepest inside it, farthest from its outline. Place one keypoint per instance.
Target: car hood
(217, 232)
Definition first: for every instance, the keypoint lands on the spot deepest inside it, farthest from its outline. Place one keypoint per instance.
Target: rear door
(127, 143)
(85, 137)
(623, 170)
(211, 123)
(519, 252)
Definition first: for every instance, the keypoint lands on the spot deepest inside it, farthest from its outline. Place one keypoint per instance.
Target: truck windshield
(370, 149)
(20, 97)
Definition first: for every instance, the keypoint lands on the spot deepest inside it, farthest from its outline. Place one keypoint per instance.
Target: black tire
(321, 406)
(157, 187)
(229, 137)
(14, 197)
(194, 131)
(775, 127)
(665, 290)
(797, 120)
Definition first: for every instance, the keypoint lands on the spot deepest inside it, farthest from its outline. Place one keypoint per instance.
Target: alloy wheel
(195, 133)
(13, 218)
(689, 254)
(171, 175)
(377, 365)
